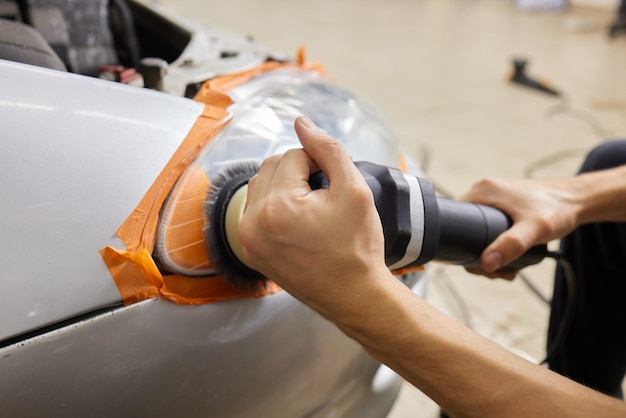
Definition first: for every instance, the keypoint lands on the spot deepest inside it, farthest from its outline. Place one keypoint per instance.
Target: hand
(316, 244)
(541, 210)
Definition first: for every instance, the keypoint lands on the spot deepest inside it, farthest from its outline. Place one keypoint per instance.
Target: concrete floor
(437, 69)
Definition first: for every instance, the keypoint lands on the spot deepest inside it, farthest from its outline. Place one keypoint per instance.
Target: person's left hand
(541, 209)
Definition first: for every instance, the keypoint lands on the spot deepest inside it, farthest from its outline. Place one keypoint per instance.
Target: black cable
(565, 108)
(570, 306)
(553, 158)
(533, 288)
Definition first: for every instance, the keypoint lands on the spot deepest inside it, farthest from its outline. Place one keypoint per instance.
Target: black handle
(466, 229)
(391, 197)
(451, 231)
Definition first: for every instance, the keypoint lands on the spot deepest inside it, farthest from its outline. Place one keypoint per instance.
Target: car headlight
(262, 125)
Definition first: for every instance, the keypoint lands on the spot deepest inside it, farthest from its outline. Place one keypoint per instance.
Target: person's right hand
(541, 210)
(323, 246)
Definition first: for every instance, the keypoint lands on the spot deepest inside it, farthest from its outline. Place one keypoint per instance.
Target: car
(94, 322)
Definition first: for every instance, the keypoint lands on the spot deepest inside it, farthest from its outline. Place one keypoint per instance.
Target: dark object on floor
(519, 76)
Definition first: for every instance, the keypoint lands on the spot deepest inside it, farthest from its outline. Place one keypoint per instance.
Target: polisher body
(418, 226)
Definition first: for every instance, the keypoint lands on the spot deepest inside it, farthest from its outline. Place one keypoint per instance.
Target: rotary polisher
(418, 226)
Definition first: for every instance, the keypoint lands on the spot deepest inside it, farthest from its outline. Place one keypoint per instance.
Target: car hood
(78, 154)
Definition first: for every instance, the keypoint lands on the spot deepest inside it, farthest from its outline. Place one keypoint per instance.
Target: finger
(508, 247)
(259, 185)
(488, 191)
(293, 171)
(499, 274)
(327, 152)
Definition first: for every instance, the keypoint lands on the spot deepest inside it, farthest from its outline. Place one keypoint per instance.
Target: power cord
(564, 107)
(526, 280)
(570, 306)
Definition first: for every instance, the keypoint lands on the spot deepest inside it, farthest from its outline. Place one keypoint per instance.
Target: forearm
(465, 373)
(601, 195)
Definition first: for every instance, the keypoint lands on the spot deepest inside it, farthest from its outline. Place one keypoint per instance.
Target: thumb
(326, 151)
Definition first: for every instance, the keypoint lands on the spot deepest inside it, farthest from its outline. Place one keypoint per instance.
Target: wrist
(599, 196)
(376, 314)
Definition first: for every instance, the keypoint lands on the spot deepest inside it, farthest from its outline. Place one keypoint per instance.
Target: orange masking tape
(214, 91)
(133, 269)
(138, 231)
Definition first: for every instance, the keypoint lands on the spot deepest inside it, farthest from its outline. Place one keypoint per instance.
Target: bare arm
(326, 248)
(463, 372)
(547, 209)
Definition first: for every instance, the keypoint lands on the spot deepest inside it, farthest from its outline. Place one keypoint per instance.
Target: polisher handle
(466, 229)
(439, 229)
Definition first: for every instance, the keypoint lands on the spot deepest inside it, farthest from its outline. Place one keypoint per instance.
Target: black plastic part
(454, 232)
(124, 35)
(153, 71)
(466, 229)
(157, 35)
(392, 199)
(192, 89)
(219, 223)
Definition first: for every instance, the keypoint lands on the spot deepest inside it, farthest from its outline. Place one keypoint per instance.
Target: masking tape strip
(133, 269)
(214, 91)
(139, 229)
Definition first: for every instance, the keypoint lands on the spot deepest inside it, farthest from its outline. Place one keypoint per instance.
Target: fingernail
(306, 122)
(492, 262)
